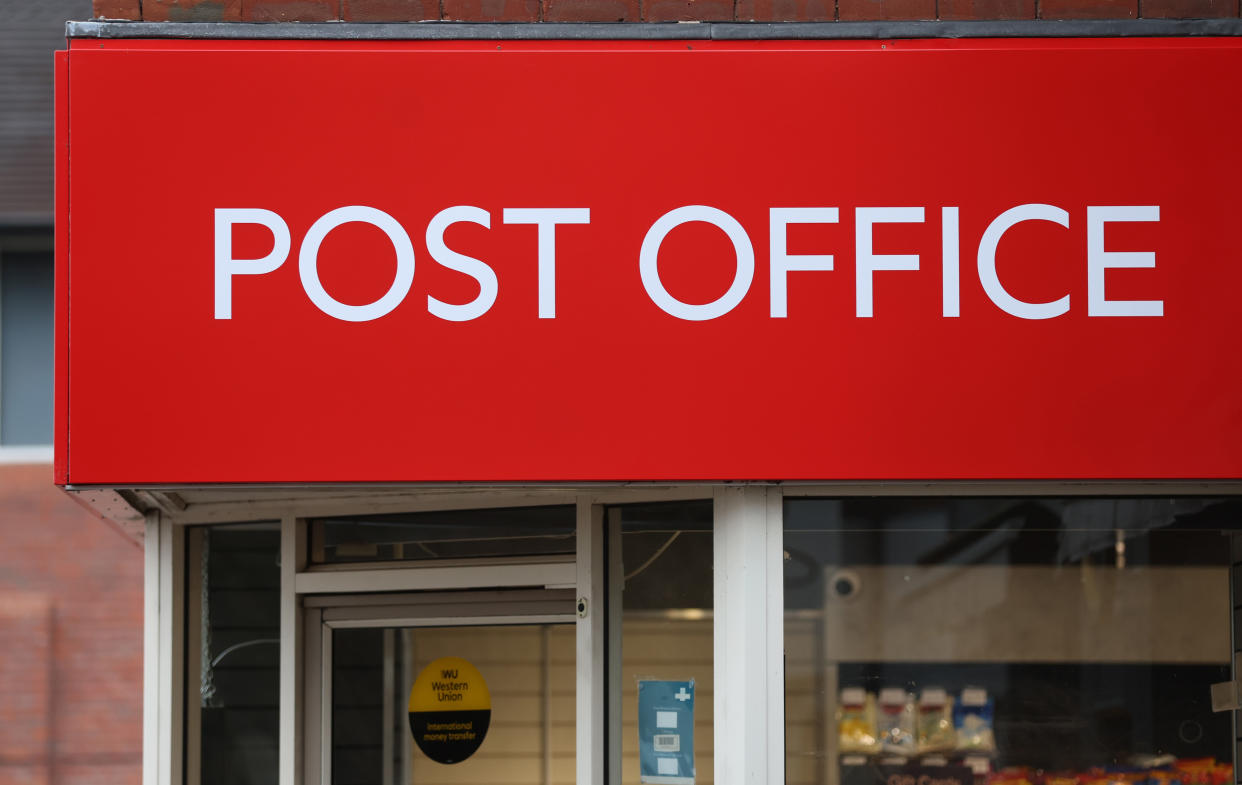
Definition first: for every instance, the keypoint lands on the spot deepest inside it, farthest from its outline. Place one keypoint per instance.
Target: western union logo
(450, 710)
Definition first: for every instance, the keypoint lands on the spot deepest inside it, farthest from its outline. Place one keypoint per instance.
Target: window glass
(1020, 641)
(26, 347)
(239, 653)
(666, 641)
(526, 733)
(455, 534)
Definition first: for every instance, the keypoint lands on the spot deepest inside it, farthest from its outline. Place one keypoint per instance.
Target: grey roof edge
(1025, 28)
(386, 31)
(26, 220)
(663, 31)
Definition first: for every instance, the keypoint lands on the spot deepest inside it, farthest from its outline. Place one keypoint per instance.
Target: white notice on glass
(666, 719)
(666, 766)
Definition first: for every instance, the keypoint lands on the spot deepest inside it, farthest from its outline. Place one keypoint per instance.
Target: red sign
(481, 261)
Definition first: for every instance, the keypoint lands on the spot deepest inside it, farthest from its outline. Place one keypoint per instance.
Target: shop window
(26, 340)
(1029, 641)
(234, 680)
(666, 641)
(455, 534)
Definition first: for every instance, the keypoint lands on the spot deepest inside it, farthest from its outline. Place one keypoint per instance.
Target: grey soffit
(29, 32)
(679, 31)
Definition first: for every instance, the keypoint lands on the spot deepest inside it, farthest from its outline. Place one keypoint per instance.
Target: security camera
(844, 584)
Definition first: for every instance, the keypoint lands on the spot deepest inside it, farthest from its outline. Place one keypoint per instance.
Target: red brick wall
(651, 10)
(70, 640)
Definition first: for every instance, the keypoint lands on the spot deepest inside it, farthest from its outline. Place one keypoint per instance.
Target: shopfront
(677, 410)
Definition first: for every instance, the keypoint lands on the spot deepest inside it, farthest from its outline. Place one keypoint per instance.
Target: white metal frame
(592, 644)
(162, 666)
(748, 612)
(320, 620)
(304, 650)
(302, 716)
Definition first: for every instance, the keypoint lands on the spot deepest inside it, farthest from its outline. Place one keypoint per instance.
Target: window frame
(26, 239)
(748, 530)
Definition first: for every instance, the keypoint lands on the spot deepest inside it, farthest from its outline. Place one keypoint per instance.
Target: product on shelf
(1011, 775)
(856, 726)
(981, 765)
(1157, 771)
(972, 719)
(935, 721)
(1204, 771)
(896, 721)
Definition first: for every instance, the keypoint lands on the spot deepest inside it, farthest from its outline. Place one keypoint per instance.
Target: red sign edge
(60, 461)
(62, 313)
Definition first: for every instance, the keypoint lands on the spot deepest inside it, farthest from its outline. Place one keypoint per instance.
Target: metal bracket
(1225, 696)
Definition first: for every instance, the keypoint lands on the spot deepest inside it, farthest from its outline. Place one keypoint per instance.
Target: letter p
(227, 266)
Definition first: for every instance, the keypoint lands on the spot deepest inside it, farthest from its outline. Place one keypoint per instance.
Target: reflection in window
(239, 655)
(26, 341)
(453, 534)
(1024, 639)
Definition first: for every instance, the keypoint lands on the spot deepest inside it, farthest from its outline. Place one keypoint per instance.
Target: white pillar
(749, 636)
(592, 635)
(163, 695)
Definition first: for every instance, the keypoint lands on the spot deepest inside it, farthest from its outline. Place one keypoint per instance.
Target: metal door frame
(323, 614)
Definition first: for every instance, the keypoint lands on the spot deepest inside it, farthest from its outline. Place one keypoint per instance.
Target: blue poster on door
(666, 732)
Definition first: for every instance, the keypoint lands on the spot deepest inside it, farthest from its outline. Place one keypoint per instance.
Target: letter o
(308, 263)
(647, 263)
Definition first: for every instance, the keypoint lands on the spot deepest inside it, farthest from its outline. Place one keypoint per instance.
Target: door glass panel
(529, 671)
(666, 636)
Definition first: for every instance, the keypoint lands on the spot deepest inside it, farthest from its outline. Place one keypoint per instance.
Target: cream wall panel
(512, 661)
(1032, 614)
(487, 644)
(801, 703)
(802, 769)
(673, 649)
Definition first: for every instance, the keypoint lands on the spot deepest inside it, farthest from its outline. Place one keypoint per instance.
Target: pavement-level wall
(70, 639)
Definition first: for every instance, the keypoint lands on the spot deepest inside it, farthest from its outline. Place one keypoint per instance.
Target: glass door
(462, 688)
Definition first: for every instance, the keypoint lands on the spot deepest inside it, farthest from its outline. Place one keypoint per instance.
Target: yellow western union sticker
(450, 710)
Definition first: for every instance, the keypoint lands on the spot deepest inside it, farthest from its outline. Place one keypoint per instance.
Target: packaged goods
(1013, 775)
(896, 721)
(1203, 771)
(972, 719)
(981, 765)
(856, 723)
(935, 721)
